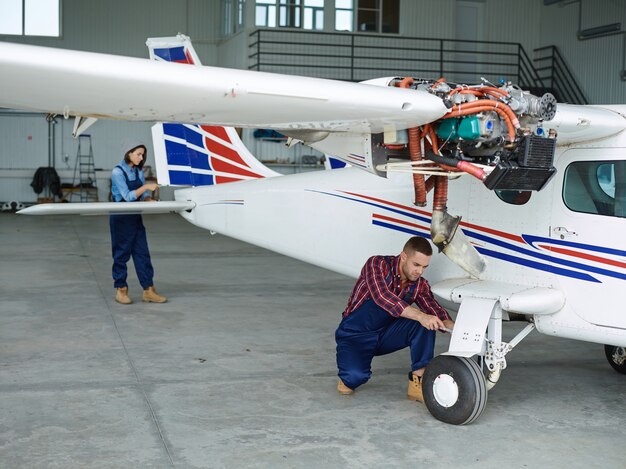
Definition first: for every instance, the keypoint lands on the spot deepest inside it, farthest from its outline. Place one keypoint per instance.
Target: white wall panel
(596, 63)
(25, 148)
(427, 18)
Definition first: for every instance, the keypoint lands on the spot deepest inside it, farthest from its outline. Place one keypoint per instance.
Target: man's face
(412, 265)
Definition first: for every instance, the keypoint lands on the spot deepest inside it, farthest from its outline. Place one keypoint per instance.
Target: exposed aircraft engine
(481, 135)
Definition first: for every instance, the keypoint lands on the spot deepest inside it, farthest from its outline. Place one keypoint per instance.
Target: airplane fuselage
(558, 238)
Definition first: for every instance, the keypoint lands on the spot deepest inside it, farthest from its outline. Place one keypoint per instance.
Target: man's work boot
(150, 295)
(343, 389)
(121, 296)
(414, 392)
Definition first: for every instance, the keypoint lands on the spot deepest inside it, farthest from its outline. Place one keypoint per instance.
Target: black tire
(616, 357)
(454, 389)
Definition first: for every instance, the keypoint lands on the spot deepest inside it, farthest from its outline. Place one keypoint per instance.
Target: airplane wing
(109, 208)
(75, 83)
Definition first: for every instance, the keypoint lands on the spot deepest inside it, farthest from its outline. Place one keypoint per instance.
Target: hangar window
(31, 18)
(233, 14)
(372, 16)
(344, 15)
(596, 187)
(305, 14)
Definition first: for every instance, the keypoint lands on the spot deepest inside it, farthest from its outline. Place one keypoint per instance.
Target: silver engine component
(524, 103)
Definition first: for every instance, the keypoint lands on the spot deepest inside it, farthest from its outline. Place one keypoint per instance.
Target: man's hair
(418, 244)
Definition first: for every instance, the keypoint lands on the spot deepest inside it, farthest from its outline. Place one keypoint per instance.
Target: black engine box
(527, 168)
(511, 176)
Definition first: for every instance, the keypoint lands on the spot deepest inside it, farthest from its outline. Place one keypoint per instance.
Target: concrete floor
(238, 369)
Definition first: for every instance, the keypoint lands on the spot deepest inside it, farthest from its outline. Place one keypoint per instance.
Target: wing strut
(81, 124)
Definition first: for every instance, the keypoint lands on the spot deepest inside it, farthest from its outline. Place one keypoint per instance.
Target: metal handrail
(355, 57)
(558, 76)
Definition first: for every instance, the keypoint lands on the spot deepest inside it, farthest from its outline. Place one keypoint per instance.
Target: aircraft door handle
(563, 232)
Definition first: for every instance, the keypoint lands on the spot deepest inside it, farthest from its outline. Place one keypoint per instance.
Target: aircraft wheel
(616, 357)
(454, 389)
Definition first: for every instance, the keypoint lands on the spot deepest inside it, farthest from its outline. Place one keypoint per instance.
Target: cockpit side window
(596, 187)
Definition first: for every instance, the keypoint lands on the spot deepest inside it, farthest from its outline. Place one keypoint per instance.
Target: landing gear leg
(454, 386)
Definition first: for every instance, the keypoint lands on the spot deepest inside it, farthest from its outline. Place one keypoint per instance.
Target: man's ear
(403, 256)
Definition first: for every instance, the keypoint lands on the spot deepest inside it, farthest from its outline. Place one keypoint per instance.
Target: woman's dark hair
(145, 155)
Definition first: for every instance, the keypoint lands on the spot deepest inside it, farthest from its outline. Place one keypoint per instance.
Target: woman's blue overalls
(371, 331)
(128, 237)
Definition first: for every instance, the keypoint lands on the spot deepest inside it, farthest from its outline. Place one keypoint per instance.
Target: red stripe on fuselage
(502, 234)
(583, 255)
(402, 222)
(392, 204)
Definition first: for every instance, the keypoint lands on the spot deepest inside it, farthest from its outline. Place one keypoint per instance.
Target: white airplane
(542, 188)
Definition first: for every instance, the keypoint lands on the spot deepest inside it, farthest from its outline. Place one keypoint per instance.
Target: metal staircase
(557, 76)
(356, 57)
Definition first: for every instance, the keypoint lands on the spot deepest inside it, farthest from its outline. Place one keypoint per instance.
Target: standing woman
(128, 235)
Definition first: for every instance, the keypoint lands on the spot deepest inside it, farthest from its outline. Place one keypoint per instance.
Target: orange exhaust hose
(430, 183)
(483, 89)
(495, 105)
(464, 166)
(405, 82)
(395, 147)
(474, 92)
(415, 151)
(495, 95)
(495, 90)
(469, 168)
(440, 197)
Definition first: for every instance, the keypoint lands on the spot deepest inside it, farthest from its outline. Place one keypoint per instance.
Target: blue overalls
(128, 237)
(371, 331)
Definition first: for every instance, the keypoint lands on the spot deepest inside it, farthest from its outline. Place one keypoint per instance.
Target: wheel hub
(619, 356)
(445, 390)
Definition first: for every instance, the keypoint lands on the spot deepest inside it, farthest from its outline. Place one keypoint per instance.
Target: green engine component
(453, 129)
(448, 128)
(469, 128)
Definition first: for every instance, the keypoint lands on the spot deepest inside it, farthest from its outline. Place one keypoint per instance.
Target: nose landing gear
(454, 389)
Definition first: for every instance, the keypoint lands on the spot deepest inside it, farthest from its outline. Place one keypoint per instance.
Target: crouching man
(380, 318)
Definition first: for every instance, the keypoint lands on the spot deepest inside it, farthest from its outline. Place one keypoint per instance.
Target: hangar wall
(598, 62)
(116, 27)
(121, 27)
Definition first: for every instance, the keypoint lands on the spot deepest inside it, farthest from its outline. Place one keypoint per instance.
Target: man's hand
(449, 324)
(432, 323)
